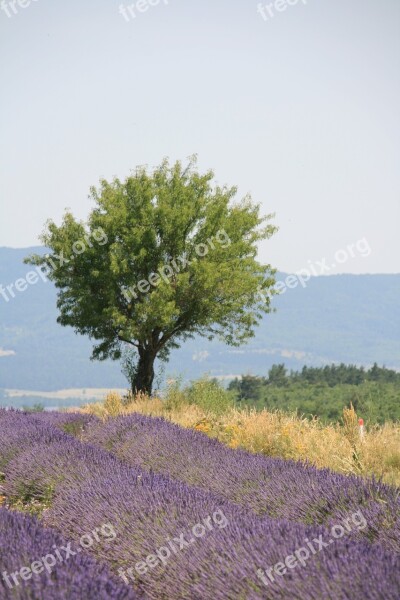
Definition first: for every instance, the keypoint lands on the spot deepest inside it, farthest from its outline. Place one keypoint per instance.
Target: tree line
(248, 386)
(324, 391)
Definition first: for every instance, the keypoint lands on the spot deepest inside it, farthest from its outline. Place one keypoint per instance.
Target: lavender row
(158, 553)
(267, 486)
(37, 562)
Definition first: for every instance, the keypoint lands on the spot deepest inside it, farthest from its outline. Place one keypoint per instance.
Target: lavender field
(136, 507)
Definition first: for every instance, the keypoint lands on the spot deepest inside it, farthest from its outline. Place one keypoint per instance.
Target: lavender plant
(23, 541)
(267, 486)
(269, 508)
(223, 563)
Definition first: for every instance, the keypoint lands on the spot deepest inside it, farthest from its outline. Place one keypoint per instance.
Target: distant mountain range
(339, 318)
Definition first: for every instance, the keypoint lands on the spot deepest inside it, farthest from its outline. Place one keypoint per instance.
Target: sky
(294, 101)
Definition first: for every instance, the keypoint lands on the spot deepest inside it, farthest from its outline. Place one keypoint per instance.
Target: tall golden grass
(279, 434)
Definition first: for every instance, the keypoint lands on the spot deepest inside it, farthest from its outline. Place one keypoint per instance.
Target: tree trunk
(143, 381)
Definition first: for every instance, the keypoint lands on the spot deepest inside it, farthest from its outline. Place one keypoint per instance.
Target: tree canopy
(164, 255)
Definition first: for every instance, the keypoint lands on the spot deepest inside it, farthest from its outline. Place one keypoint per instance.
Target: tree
(249, 387)
(163, 256)
(277, 375)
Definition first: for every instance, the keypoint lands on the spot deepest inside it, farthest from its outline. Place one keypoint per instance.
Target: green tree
(277, 375)
(163, 256)
(249, 387)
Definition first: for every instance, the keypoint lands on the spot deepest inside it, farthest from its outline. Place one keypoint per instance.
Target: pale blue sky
(301, 110)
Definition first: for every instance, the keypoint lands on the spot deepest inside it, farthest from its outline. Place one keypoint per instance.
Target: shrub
(113, 404)
(210, 396)
(34, 408)
(175, 398)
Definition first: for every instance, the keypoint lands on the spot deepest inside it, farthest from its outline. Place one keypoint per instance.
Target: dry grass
(279, 434)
